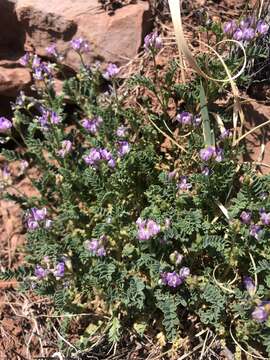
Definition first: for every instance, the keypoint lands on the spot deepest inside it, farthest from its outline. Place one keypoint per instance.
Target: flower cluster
(80, 45)
(58, 271)
(5, 125)
(147, 229)
(152, 42)
(249, 285)
(184, 184)
(37, 218)
(174, 279)
(96, 246)
(121, 131)
(41, 70)
(123, 148)
(48, 117)
(246, 30)
(186, 118)
(92, 125)
(96, 156)
(255, 229)
(211, 153)
(111, 72)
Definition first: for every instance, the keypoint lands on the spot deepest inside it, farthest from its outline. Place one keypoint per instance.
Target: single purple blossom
(96, 247)
(245, 217)
(173, 279)
(40, 272)
(59, 270)
(38, 214)
(184, 272)
(248, 34)
(197, 120)
(51, 50)
(225, 134)
(152, 42)
(147, 229)
(111, 72)
(238, 35)
(265, 218)
(66, 148)
(219, 154)
(230, 27)
(255, 231)
(121, 131)
(262, 28)
(184, 184)
(92, 125)
(80, 45)
(32, 224)
(36, 62)
(184, 118)
(25, 60)
(101, 252)
(205, 171)
(260, 314)
(249, 285)
(207, 153)
(123, 148)
(5, 125)
(24, 165)
(93, 157)
(246, 23)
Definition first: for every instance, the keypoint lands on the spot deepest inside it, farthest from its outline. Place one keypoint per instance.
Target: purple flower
(93, 157)
(246, 23)
(47, 118)
(147, 229)
(238, 35)
(207, 153)
(245, 217)
(197, 120)
(111, 72)
(184, 118)
(184, 184)
(184, 272)
(24, 165)
(54, 118)
(51, 50)
(32, 224)
(92, 125)
(36, 218)
(230, 27)
(66, 148)
(80, 45)
(96, 247)
(40, 272)
(152, 42)
(262, 27)
(38, 214)
(36, 62)
(219, 154)
(265, 218)
(42, 71)
(25, 60)
(261, 312)
(173, 279)
(255, 231)
(248, 34)
(121, 131)
(123, 148)
(249, 285)
(59, 270)
(5, 125)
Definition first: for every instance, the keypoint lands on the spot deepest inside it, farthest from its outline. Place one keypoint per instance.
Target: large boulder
(13, 78)
(116, 38)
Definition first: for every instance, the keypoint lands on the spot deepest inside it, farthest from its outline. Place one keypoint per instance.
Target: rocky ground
(115, 29)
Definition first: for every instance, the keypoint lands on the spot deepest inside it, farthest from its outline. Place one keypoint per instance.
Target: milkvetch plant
(152, 234)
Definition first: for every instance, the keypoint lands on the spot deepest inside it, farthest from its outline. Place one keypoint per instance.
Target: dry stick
(204, 345)
(63, 339)
(251, 131)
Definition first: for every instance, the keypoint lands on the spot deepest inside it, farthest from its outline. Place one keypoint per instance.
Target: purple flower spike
(5, 125)
(262, 28)
(184, 272)
(265, 218)
(152, 42)
(66, 148)
(184, 184)
(238, 35)
(208, 153)
(80, 45)
(123, 148)
(184, 118)
(96, 247)
(230, 27)
(92, 125)
(40, 272)
(59, 270)
(255, 231)
(249, 285)
(245, 217)
(111, 72)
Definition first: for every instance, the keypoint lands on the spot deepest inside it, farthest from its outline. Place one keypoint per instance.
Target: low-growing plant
(151, 237)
